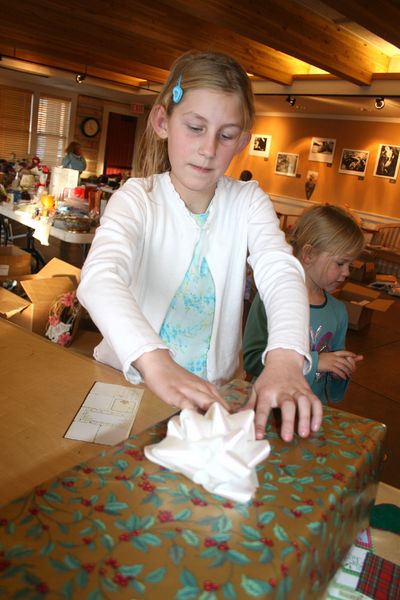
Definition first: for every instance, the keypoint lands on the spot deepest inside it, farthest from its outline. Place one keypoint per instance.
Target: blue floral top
(188, 323)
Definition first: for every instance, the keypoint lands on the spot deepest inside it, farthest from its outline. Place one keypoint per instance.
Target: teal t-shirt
(328, 327)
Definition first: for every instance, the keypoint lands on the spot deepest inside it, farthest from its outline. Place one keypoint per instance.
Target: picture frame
(322, 149)
(353, 162)
(387, 161)
(260, 145)
(286, 164)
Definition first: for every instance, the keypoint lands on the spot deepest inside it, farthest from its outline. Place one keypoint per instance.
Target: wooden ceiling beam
(168, 27)
(151, 34)
(381, 18)
(111, 72)
(288, 27)
(55, 47)
(275, 40)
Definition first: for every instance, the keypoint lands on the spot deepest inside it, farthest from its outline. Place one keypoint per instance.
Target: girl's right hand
(175, 385)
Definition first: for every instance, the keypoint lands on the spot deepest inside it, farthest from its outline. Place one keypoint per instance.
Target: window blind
(52, 129)
(15, 122)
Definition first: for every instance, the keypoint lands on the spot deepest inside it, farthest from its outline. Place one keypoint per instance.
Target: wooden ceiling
(134, 42)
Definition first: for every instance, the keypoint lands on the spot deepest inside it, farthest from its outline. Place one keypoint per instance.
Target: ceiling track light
(291, 100)
(80, 78)
(379, 102)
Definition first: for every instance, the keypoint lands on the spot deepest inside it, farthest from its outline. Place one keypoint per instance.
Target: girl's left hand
(282, 385)
(341, 363)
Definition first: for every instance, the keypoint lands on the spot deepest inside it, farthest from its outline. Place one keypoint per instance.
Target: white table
(23, 217)
(8, 211)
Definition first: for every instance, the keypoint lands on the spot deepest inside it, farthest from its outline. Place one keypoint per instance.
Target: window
(15, 122)
(17, 125)
(52, 129)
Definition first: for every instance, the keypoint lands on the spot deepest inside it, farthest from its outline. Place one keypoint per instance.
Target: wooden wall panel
(89, 107)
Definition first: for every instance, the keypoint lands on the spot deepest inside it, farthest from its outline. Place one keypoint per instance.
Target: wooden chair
(384, 249)
(386, 236)
(287, 221)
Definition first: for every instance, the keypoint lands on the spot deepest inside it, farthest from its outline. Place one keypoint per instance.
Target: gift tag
(106, 415)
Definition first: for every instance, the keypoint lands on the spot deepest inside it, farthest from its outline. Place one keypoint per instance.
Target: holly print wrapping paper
(119, 526)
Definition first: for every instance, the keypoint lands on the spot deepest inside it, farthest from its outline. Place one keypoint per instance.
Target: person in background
(326, 239)
(164, 278)
(73, 158)
(246, 175)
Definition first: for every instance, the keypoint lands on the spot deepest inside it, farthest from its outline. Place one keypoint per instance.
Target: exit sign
(137, 109)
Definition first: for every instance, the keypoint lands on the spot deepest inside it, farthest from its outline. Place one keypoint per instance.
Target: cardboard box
(360, 302)
(57, 277)
(363, 271)
(14, 261)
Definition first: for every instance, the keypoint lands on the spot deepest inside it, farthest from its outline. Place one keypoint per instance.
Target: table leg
(30, 247)
(85, 249)
(5, 231)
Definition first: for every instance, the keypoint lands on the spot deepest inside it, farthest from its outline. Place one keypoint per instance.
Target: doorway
(120, 144)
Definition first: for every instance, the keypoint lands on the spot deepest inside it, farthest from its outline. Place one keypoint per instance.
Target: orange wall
(372, 195)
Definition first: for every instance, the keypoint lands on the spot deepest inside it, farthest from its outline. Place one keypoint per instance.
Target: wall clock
(90, 126)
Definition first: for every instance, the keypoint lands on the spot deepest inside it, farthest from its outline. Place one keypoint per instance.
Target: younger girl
(164, 279)
(325, 239)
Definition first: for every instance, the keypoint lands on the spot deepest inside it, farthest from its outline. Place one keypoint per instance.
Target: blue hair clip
(177, 91)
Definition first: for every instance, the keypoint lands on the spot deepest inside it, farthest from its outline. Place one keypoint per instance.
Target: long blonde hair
(195, 70)
(327, 228)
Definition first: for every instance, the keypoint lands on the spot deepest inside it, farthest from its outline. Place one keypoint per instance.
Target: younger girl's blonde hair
(194, 70)
(327, 228)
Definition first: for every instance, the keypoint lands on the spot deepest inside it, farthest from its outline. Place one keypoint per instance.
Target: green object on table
(386, 516)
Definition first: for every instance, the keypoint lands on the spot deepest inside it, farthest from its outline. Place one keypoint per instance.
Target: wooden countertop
(42, 387)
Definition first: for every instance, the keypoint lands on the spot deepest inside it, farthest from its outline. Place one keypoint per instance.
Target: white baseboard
(294, 206)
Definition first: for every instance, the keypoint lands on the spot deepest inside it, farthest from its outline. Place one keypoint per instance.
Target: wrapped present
(121, 526)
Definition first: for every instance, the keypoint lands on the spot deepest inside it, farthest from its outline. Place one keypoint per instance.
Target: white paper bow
(217, 450)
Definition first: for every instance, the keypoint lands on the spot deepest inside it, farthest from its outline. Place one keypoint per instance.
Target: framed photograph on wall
(260, 145)
(387, 161)
(286, 164)
(322, 150)
(353, 162)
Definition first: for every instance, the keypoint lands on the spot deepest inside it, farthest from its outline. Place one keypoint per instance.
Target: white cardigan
(142, 250)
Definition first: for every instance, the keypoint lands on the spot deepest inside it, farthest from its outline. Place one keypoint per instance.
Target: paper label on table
(107, 414)
(4, 269)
